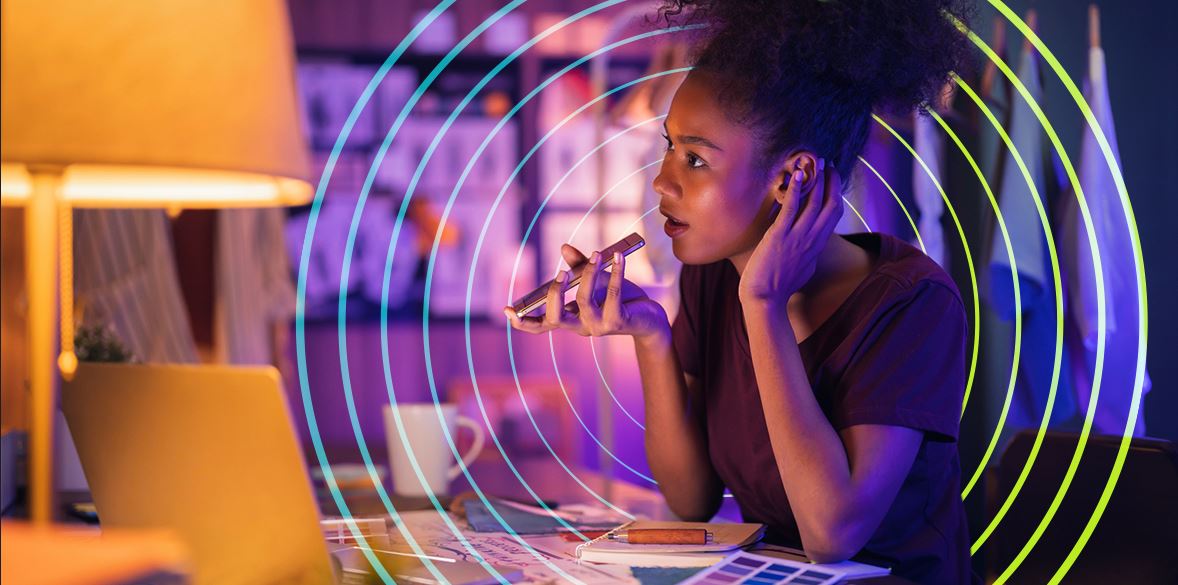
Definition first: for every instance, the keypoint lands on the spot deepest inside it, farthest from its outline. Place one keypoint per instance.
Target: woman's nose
(663, 185)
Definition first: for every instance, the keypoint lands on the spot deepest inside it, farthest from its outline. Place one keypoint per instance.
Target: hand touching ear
(785, 258)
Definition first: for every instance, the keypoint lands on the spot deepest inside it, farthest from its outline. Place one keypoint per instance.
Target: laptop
(207, 452)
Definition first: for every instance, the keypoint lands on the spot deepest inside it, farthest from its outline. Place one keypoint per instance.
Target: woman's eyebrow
(688, 139)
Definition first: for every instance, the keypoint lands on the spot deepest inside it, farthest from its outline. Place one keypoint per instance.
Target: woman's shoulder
(899, 272)
(903, 269)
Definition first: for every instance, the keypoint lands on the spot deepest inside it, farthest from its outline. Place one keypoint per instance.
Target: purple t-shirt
(892, 354)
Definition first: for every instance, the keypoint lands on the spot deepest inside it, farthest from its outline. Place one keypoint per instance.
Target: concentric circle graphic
(583, 429)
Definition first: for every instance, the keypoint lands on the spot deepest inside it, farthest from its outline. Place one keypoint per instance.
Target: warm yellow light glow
(131, 186)
(129, 105)
(117, 186)
(141, 83)
(15, 184)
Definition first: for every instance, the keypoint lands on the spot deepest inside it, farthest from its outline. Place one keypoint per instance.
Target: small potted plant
(98, 343)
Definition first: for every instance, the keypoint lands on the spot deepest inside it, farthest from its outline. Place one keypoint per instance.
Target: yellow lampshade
(170, 103)
(183, 103)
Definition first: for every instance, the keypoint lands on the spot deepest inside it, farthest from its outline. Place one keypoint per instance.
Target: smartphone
(531, 301)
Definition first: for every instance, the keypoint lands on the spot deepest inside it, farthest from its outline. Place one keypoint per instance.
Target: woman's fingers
(612, 310)
(598, 305)
(525, 324)
(789, 206)
(588, 310)
(554, 307)
(571, 255)
(815, 200)
(792, 198)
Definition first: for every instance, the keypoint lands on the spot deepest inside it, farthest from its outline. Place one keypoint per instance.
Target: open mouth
(674, 226)
(673, 220)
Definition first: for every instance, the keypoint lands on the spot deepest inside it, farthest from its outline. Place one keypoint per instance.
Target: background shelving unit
(362, 33)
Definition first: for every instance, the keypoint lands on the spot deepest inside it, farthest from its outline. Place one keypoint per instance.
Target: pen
(662, 536)
(569, 536)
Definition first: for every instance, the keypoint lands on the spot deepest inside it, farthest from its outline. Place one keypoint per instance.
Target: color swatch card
(749, 569)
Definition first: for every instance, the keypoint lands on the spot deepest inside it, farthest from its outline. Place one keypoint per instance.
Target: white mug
(431, 451)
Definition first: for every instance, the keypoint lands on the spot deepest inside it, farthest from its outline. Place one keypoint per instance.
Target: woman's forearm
(675, 445)
(810, 454)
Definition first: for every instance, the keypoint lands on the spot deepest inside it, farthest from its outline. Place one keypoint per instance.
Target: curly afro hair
(809, 73)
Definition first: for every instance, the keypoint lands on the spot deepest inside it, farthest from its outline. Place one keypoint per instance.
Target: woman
(817, 377)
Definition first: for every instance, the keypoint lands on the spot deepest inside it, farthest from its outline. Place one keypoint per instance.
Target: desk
(549, 480)
(546, 477)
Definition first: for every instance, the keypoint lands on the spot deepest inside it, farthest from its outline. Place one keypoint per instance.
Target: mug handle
(475, 448)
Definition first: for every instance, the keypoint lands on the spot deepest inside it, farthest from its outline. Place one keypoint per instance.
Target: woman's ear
(803, 160)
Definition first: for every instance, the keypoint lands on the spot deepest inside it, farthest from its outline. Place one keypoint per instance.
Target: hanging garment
(1118, 272)
(996, 352)
(1031, 259)
(125, 279)
(254, 289)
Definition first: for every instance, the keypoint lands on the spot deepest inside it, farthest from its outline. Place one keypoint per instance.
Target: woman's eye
(693, 161)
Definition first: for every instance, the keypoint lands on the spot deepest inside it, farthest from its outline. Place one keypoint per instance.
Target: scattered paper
(545, 559)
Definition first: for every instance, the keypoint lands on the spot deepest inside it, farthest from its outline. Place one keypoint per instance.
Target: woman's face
(709, 181)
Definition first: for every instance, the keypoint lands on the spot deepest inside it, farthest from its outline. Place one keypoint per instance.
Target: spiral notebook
(725, 538)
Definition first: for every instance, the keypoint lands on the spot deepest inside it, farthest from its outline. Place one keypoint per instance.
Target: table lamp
(177, 104)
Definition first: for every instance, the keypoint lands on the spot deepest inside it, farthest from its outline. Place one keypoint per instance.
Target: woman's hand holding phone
(606, 303)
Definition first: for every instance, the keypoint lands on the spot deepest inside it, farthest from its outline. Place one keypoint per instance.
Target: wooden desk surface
(547, 478)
